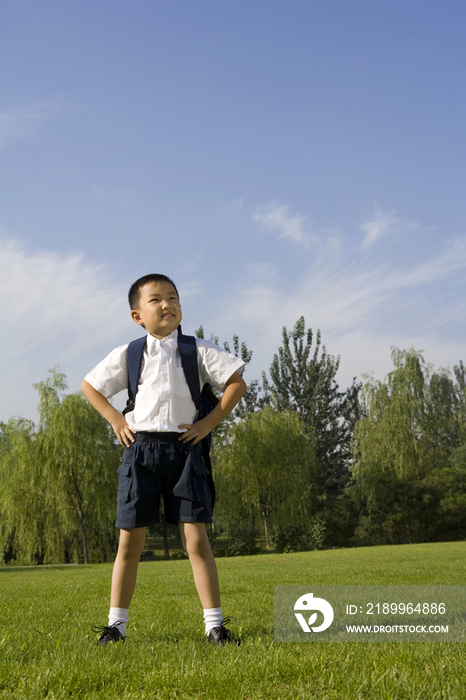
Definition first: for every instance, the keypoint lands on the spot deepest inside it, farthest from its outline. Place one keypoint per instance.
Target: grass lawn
(47, 649)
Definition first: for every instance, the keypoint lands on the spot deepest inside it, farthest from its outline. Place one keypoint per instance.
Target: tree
(80, 463)
(23, 523)
(402, 446)
(411, 424)
(265, 471)
(450, 482)
(303, 379)
(58, 481)
(250, 401)
(460, 386)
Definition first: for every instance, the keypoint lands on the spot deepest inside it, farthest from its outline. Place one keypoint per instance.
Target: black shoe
(220, 635)
(109, 634)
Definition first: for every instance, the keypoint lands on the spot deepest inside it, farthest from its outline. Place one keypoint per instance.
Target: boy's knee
(197, 542)
(132, 543)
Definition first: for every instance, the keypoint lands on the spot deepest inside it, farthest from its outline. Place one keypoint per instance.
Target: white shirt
(163, 400)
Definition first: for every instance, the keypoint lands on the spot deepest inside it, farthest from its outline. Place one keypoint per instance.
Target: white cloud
(55, 309)
(362, 305)
(386, 222)
(438, 267)
(274, 217)
(189, 289)
(59, 309)
(44, 294)
(18, 122)
(383, 223)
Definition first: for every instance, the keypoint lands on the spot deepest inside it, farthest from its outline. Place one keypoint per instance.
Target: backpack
(204, 400)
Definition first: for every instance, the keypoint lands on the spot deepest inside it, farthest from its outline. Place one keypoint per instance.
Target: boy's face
(159, 309)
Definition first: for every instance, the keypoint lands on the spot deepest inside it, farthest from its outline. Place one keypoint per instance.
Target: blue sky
(277, 159)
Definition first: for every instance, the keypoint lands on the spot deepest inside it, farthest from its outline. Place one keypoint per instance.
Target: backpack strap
(133, 360)
(188, 355)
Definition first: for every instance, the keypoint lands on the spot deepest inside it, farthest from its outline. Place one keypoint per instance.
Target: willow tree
(408, 435)
(450, 479)
(80, 460)
(22, 523)
(58, 481)
(411, 424)
(266, 470)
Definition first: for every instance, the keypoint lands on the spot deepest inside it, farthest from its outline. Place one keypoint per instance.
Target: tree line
(298, 465)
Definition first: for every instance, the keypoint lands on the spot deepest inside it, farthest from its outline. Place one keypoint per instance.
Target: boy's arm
(234, 390)
(114, 417)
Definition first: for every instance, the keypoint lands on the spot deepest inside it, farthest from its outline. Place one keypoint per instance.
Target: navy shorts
(154, 467)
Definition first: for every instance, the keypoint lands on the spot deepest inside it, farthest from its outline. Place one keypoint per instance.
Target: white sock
(118, 617)
(212, 618)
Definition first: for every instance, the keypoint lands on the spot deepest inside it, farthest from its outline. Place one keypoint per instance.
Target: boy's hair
(134, 293)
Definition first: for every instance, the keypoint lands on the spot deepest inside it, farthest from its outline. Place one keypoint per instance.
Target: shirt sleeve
(216, 365)
(110, 376)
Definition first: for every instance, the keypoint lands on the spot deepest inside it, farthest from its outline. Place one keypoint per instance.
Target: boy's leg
(125, 569)
(124, 576)
(196, 543)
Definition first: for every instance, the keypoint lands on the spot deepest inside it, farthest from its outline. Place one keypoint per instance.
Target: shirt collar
(154, 344)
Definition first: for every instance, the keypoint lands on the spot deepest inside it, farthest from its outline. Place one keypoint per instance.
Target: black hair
(134, 293)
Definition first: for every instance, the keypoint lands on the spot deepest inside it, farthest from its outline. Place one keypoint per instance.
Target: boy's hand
(234, 390)
(122, 430)
(195, 432)
(114, 417)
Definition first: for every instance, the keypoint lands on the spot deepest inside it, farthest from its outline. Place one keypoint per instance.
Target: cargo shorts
(155, 465)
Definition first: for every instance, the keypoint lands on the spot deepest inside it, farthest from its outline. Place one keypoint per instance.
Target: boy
(163, 454)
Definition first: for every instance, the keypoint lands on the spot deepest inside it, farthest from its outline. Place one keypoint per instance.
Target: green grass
(48, 651)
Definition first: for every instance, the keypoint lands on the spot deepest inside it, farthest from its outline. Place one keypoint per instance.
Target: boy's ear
(136, 316)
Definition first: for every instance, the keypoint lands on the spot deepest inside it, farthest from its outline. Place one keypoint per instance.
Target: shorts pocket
(192, 484)
(125, 483)
(200, 479)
